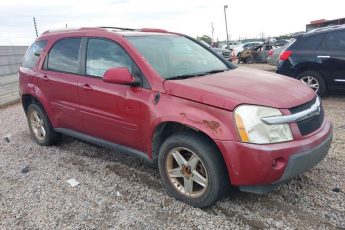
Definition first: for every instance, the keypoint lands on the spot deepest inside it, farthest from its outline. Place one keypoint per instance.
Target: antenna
(35, 26)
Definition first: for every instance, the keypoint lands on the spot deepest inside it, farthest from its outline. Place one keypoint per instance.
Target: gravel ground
(119, 191)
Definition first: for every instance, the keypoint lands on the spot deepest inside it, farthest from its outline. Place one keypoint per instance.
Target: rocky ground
(119, 191)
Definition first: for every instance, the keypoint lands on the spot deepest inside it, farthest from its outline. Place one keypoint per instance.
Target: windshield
(176, 56)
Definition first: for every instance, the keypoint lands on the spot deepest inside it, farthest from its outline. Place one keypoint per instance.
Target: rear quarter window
(311, 42)
(33, 53)
(336, 41)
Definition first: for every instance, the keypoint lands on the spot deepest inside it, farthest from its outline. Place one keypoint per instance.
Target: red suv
(169, 99)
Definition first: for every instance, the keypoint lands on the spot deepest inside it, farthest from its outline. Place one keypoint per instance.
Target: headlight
(252, 129)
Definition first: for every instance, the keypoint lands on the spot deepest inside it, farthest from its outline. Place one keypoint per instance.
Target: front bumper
(260, 168)
(297, 164)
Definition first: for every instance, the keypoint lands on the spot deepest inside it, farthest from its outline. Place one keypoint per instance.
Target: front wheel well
(166, 129)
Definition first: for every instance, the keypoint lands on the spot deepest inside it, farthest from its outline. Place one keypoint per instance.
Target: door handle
(86, 87)
(321, 57)
(45, 78)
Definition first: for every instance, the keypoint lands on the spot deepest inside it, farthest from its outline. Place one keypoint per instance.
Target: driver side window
(104, 54)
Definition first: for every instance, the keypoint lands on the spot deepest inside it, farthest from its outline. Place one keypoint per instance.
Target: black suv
(317, 58)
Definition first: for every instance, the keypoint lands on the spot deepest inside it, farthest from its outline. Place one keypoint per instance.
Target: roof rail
(131, 29)
(61, 30)
(153, 30)
(325, 28)
(105, 27)
(118, 28)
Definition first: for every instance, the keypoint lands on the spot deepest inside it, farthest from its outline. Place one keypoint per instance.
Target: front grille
(311, 124)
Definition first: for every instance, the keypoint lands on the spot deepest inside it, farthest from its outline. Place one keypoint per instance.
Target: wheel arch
(28, 99)
(166, 129)
(311, 66)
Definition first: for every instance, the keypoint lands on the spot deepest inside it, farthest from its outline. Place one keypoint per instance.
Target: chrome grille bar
(315, 109)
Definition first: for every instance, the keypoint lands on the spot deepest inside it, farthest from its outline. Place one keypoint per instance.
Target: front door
(109, 111)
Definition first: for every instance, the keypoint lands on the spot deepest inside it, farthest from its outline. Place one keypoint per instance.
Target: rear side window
(336, 41)
(312, 42)
(104, 54)
(33, 53)
(63, 57)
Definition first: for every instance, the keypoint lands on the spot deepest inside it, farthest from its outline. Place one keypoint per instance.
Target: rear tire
(314, 80)
(40, 126)
(192, 169)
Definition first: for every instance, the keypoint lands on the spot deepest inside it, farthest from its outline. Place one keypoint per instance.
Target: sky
(246, 18)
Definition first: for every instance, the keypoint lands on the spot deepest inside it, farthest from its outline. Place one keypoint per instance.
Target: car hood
(242, 86)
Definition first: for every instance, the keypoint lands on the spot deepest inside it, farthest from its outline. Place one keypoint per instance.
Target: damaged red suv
(171, 100)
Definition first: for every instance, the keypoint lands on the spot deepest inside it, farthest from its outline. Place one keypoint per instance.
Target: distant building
(323, 23)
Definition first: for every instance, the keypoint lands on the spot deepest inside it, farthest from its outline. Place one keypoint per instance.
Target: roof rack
(153, 30)
(140, 30)
(106, 27)
(325, 28)
(118, 28)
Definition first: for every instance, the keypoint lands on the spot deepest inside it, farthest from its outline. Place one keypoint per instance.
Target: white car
(231, 45)
(238, 49)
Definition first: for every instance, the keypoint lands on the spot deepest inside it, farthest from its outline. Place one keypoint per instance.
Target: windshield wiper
(182, 76)
(216, 71)
(185, 76)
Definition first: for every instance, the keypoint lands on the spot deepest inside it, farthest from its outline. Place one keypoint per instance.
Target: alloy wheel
(311, 82)
(186, 172)
(37, 125)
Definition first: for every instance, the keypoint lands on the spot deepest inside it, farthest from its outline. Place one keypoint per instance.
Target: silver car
(274, 54)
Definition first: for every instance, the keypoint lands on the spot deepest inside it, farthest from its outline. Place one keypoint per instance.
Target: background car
(231, 45)
(317, 58)
(255, 54)
(223, 52)
(273, 54)
(280, 42)
(238, 49)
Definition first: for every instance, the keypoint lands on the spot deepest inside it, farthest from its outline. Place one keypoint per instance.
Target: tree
(206, 39)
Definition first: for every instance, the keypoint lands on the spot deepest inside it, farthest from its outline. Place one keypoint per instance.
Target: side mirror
(119, 75)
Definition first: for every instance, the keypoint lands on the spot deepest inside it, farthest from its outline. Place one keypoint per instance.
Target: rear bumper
(285, 68)
(272, 61)
(260, 168)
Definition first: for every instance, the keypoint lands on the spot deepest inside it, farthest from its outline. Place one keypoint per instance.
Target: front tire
(192, 169)
(40, 126)
(314, 80)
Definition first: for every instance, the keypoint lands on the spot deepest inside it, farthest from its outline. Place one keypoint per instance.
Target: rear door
(109, 111)
(58, 82)
(332, 57)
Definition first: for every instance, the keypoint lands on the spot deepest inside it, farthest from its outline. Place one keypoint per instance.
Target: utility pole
(226, 27)
(35, 26)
